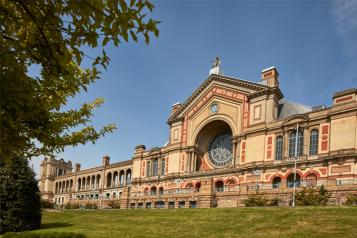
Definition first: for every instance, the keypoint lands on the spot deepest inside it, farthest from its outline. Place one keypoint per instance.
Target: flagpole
(296, 151)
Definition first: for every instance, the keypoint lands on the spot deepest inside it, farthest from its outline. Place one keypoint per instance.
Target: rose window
(220, 150)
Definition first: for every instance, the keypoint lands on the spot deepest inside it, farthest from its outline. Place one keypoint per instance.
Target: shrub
(43, 235)
(91, 206)
(114, 204)
(311, 197)
(275, 201)
(255, 200)
(47, 204)
(68, 206)
(20, 202)
(351, 199)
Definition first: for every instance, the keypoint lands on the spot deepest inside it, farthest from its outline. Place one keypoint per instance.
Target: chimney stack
(106, 160)
(77, 167)
(270, 77)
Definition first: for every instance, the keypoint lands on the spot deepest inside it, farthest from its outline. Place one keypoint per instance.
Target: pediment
(220, 86)
(298, 118)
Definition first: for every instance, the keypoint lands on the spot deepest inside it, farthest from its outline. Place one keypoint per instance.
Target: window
(193, 204)
(181, 204)
(153, 191)
(314, 141)
(219, 186)
(279, 148)
(155, 167)
(292, 143)
(290, 181)
(162, 166)
(276, 182)
(148, 169)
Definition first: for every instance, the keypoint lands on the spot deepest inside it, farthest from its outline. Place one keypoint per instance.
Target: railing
(165, 192)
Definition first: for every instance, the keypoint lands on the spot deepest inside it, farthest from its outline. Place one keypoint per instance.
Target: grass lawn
(202, 223)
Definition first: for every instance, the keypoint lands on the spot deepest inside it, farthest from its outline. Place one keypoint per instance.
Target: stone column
(124, 182)
(194, 162)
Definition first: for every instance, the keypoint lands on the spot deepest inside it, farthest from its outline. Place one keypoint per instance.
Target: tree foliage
(20, 203)
(49, 36)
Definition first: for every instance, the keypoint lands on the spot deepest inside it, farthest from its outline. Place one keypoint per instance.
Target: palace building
(229, 139)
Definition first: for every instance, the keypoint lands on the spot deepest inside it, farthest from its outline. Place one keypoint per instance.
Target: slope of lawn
(202, 223)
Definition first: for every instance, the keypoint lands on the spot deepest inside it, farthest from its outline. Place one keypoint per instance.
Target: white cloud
(345, 14)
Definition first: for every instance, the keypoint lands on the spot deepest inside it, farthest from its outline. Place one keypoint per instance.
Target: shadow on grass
(55, 225)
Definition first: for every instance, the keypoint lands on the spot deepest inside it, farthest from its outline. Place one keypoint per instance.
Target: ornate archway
(214, 142)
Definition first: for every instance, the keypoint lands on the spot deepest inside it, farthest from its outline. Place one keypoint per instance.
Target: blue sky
(313, 44)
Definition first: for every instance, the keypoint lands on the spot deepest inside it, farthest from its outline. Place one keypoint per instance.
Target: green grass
(202, 223)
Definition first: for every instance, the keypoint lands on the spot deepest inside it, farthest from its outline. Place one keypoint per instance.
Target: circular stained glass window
(220, 150)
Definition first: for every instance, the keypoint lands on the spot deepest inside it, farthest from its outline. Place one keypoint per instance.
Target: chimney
(106, 160)
(270, 77)
(174, 107)
(77, 167)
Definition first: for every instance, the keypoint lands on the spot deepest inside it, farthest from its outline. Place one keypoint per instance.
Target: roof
(287, 109)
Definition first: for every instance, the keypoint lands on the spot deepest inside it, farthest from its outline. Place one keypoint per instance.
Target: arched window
(88, 183)
(128, 177)
(83, 183)
(146, 191)
(121, 178)
(148, 169)
(276, 182)
(290, 181)
(92, 182)
(98, 181)
(153, 191)
(198, 186)
(311, 180)
(279, 148)
(155, 167)
(292, 143)
(161, 191)
(71, 185)
(115, 179)
(314, 142)
(109, 180)
(219, 186)
(79, 184)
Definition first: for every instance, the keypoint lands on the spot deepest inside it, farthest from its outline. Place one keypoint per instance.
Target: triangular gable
(236, 84)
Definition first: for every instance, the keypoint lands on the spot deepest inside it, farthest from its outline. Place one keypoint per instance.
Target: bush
(114, 204)
(256, 200)
(312, 197)
(47, 204)
(20, 202)
(275, 201)
(43, 235)
(91, 206)
(351, 199)
(68, 206)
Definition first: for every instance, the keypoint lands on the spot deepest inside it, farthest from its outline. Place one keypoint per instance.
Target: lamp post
(296, 151)
(256, 172)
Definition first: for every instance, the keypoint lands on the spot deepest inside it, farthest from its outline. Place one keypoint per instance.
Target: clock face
(214, 108)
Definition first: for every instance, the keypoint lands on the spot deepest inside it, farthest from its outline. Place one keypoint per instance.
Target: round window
(220, 150)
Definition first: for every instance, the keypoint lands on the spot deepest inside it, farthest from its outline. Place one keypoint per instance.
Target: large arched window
(292, 143)
(314, 142)
(279, 148)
